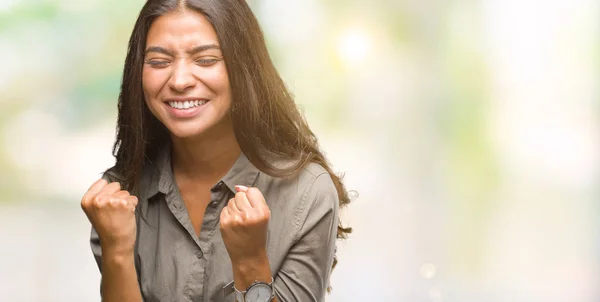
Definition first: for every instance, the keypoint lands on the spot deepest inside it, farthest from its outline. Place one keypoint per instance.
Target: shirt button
(198, 254)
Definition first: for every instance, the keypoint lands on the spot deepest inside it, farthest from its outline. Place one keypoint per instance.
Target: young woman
(220, 191)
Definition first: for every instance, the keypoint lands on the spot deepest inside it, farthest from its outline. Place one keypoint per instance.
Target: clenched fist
(244, 224)
(112, 214)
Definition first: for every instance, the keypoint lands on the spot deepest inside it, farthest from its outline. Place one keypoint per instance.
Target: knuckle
(244, 216)
(85, 202)
(119, 202)
(114, 201)
(97, 201)
(261, 215)
(225, 223)
(239, 219)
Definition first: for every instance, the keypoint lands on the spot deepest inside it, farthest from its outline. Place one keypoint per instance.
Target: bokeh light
(354, 46)
(469, 128)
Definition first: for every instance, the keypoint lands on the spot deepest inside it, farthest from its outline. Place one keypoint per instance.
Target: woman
(220, 191)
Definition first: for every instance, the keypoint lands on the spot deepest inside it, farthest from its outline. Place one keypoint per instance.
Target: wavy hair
(266, 120)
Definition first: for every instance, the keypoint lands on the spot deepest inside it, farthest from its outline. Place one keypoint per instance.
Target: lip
(183, 99)
(184, 113)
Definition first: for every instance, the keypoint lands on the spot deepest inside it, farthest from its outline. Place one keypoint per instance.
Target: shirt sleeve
(94, 238)
(96, 249)
(304, 274)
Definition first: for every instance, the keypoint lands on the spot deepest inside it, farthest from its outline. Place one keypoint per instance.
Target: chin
(186, 132)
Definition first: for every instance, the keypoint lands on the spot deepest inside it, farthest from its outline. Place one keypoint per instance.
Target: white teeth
(187, 104)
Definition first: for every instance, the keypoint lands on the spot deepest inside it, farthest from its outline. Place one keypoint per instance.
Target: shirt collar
(243, 172)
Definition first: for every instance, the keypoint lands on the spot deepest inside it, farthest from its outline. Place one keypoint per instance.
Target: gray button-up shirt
(174, 264)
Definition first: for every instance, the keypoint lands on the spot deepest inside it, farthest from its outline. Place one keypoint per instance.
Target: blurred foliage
(409, 119)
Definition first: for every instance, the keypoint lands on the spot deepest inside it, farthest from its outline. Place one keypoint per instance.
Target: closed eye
(157, 63)
(207, 61)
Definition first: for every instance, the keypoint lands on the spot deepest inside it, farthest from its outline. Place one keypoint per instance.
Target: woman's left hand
(244, 224)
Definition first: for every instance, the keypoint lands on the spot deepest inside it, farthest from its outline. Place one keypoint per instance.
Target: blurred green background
(469, 128)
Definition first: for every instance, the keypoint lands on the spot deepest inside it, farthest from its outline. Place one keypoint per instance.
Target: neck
(208, 157)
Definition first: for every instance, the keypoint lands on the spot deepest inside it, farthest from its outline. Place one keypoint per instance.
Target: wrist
(249, 266)
(117, 263)
(250, 269)
(250, 258)
(117, 255)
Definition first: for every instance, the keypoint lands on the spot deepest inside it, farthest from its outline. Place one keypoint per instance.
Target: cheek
(219, 83)
(152, 81)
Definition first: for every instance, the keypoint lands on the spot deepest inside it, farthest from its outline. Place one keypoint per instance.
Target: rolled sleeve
(96, 248)
(304, 274)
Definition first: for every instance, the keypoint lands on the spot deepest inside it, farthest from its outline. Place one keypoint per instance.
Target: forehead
(181, 29)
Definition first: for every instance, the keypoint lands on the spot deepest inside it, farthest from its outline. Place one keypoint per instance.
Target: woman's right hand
(112, 214)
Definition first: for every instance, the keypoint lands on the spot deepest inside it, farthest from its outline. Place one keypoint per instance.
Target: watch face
(259, 293)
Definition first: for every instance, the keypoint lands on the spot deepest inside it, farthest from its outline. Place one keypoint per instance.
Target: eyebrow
(194, 50)
(202, 48)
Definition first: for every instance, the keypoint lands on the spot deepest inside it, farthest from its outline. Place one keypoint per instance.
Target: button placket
(217, 195)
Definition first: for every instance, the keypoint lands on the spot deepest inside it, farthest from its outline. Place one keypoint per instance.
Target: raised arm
(304, 275)
(111, 212)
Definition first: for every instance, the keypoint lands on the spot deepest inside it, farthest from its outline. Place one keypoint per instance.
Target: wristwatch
(256, 292)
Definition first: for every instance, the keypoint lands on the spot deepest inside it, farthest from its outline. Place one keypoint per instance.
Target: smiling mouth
(187, 104)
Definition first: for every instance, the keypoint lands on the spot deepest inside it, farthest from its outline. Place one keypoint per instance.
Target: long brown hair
(266, 120)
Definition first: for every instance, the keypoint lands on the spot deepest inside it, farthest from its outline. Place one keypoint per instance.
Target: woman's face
(184, 76)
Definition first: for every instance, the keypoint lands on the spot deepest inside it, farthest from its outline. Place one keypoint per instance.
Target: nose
(182, 77)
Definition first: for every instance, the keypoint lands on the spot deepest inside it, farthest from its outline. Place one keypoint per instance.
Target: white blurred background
(469, 128)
